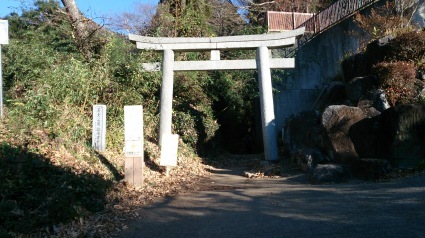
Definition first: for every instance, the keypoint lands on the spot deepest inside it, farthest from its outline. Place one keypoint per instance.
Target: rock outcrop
(370, 169)
(354, 131)
(336, 122)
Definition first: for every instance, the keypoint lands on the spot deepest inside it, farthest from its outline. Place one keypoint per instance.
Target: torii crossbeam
(263, 63)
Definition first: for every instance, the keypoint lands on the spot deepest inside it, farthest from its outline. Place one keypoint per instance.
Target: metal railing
(335, 13)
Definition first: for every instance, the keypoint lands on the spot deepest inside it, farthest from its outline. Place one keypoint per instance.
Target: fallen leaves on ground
(125, 202)
(58, 191)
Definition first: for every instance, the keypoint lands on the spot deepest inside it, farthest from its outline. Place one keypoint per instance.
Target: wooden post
(133, 126)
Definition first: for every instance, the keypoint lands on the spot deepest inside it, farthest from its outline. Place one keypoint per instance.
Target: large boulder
(378, 50)
(380, 101)
(304, 130)
(403, 134)
(336, 121)
(359, 87)
(365, 136)
(355, 66)
(333, 93)
(420, 74)
(418, 88)
(397, 134)
(360, 64)
(326, 173)
(370, 169)
(306, 159)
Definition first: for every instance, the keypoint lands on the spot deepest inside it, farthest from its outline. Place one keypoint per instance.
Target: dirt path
(231, 205)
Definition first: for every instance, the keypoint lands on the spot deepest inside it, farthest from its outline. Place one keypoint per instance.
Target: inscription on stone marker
(99, 128)
(133, 127)
(4, 32)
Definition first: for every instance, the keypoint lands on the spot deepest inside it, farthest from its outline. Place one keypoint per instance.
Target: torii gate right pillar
(266, 102)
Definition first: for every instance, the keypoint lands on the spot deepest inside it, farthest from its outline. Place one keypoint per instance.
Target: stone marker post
(169, 150)
(99, 128)
(133, 126)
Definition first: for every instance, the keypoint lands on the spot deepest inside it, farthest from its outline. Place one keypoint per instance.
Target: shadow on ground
(35, 194)
(288, 207)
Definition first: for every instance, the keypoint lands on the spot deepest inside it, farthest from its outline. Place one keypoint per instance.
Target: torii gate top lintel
(263, 63)
(275, 40)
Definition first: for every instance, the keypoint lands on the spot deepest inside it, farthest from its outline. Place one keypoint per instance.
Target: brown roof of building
(283, 21)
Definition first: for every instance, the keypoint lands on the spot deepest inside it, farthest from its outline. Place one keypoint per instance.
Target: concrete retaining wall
(316, 63)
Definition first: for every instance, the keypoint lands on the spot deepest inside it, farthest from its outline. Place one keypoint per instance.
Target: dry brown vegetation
(397, 79)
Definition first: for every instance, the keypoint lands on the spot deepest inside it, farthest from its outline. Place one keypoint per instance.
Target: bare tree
(406, 9)
(224, 18)
(80, 29)
(136, 22)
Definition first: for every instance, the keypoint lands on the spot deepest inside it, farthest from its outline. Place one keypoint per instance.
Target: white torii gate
(263, 63)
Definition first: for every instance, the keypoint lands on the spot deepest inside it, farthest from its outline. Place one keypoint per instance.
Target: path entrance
(263, 63)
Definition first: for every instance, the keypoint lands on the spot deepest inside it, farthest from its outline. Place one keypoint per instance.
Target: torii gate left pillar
(166, 106)
(263, 63)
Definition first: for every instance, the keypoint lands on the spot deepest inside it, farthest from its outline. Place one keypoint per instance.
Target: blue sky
(92, 8)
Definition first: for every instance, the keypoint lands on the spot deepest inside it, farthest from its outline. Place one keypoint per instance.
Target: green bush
(49, 91)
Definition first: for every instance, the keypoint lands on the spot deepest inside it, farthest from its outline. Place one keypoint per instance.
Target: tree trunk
(80, 29)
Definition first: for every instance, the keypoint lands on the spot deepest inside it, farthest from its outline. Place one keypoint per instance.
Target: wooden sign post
(99, 128)
(133, 127)
(4, 40)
